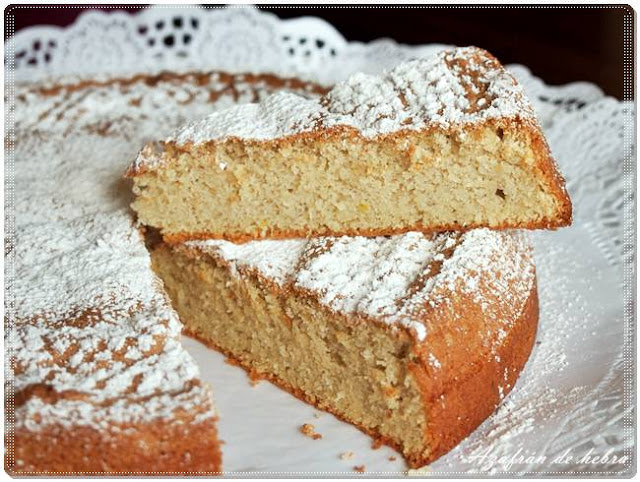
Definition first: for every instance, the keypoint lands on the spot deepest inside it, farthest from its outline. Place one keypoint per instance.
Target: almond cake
(449, 142)
(414, 339)
(435, 327)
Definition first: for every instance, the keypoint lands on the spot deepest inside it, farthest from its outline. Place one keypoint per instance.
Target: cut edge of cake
(55, 423)
(452, 334)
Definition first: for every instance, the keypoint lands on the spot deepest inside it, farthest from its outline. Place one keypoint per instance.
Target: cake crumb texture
(445, 143)
(406, 337)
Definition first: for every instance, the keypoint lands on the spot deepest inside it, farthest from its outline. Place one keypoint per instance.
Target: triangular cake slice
(414, 339)
(444, 143)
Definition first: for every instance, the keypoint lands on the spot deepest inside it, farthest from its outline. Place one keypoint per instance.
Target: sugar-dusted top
(394, 278)
(93, 332)
(92, 338)
(454, 87)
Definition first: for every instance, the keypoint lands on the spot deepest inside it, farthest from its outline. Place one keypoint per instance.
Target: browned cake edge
(163, 445)
(196, 77)
(467, 401)
(305, 232)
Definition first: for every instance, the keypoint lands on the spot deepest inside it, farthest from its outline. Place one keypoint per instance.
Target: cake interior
(360, 373)
(491, 176)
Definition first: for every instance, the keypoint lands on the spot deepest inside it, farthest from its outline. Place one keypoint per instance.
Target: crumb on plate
(309, 430)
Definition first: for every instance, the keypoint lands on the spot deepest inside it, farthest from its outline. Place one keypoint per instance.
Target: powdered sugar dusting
(93, 338)
(273, 259)
(105, 251)
(278, 115)
(452, 88)
(395, 279)
(84, 284)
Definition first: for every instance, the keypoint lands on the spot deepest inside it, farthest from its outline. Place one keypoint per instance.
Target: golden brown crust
(163, 447)
(466, 399)
(199, 78)
(457, 403)
(551, 174)
(274, 233)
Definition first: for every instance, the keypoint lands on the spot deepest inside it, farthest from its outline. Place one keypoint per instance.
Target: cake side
(180, 443)
(445, 143)
(377, 331)
(454, 413)
(437, 181)
(470, 398)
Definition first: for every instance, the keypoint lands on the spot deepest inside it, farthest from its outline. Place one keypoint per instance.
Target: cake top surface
(91, 334)
(86, 350)
(395, 278)
(454, 88)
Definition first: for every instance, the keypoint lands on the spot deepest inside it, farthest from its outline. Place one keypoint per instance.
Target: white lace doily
(575, 393)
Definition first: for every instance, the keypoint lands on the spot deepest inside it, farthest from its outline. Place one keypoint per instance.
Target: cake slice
(444, 143)
(413, 339)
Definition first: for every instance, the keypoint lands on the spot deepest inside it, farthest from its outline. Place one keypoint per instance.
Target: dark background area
(560, 45)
